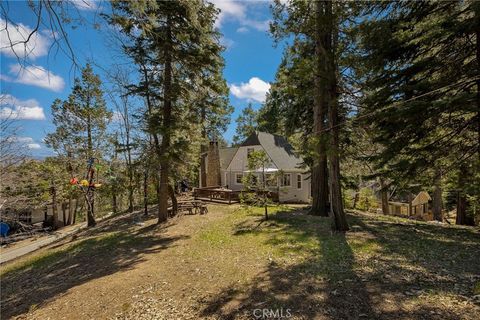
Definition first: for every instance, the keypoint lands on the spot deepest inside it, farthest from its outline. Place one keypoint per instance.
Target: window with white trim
(249, 150)
(286, 180)
(299, 181)
(238, 178)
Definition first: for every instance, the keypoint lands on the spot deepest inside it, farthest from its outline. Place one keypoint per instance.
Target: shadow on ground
(381, 270)
(117, 245)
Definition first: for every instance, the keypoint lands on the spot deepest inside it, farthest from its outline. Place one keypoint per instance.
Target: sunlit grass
(47, 257)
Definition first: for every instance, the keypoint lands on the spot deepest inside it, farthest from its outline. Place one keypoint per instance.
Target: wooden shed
(419, 207)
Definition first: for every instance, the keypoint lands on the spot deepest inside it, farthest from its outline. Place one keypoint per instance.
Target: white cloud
(254, 89)
(86, 5)
(36, 76)
(13, 37)
(229, 9)
(20, 109)
(262, 25)
(35, 146)
(117, 116)
(227, 42)
(24, 139)
(237, 11)
(242, 30)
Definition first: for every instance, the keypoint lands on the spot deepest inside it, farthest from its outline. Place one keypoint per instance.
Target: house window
(299, 181)
(249, 150)
(286, 180)
(238, 178)
(271, 180)
(254, 179)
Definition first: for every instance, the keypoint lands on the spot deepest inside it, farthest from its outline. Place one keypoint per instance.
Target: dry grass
(230, 262)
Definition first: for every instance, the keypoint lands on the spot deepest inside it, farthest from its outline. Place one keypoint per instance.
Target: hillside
(229, 264)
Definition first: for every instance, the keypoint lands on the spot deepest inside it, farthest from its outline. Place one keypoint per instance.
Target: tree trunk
(167, 113)
(319, 168)
(70, 209)
(90, 218)
(74, 217)
(53, 191)
(437, 195)
(384, 196)
(70, 195)
(64, 214)
(129, 164)
(203, 150)
(89, 194)
(114, 202)
(461, 208)
(476, 6)
(130, 199)
(336, 204)
(355, 199)
(461, 198)
(145, 193)
(410, 207)
(90, 208)
(90, 198)
(171, 193)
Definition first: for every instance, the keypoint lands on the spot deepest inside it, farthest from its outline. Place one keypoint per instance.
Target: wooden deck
(223, 195)
(217, 194)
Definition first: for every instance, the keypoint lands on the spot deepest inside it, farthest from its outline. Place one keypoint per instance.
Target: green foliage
(246, 124)
(418, 67)
(187, 101)
(81, 119)
(255, 186)
(367, 200)
(29, 184)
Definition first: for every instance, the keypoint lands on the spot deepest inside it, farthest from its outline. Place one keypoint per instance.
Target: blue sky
(251, 62)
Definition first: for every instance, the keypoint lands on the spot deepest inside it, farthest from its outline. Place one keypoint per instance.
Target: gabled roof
(226, 155)
(421, 198)
(277, 147)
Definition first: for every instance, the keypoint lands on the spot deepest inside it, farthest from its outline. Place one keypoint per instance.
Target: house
(286, 173)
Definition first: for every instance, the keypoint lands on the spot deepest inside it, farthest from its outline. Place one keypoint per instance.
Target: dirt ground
(230, 264)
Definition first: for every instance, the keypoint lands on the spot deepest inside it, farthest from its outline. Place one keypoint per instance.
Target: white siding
(292, 193)
(286, 194)
(239, 162)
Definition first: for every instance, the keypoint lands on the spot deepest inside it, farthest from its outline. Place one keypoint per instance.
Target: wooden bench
(186, 207)
(193, 207)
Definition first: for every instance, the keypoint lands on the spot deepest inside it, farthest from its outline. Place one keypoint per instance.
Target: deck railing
(217, 194)
(225, 195)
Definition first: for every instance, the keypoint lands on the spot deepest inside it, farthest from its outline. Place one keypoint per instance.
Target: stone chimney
(213, 165)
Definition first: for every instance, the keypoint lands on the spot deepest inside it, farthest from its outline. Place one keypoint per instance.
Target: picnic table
(192, 206)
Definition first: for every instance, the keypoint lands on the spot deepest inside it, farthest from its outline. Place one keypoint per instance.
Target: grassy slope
(231, 264)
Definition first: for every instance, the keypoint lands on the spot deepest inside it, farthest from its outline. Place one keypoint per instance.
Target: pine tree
(315, 54)
(175, 45)
(419, 84)
(246, 124)
(81, 123)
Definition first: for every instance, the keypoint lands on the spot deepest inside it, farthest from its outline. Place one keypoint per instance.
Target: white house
(286, 173)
